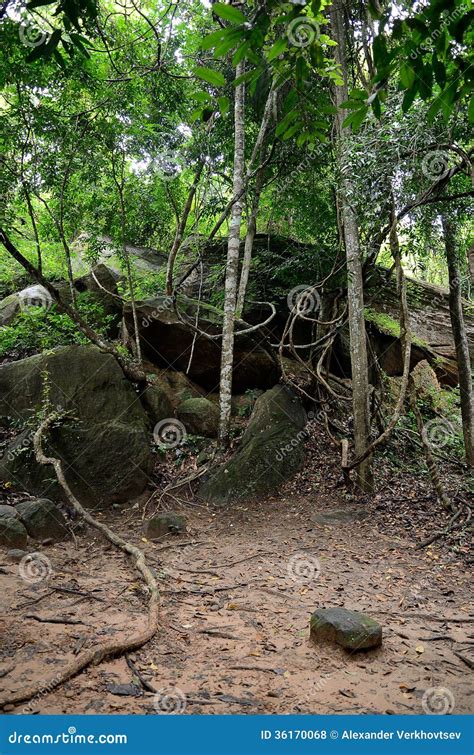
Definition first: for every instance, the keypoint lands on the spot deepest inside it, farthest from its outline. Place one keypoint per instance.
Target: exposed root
(96, 654)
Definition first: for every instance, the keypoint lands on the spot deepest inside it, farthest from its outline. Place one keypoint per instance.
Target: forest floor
(237, 591)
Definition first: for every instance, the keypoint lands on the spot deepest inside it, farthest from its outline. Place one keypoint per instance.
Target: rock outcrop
(169, 340)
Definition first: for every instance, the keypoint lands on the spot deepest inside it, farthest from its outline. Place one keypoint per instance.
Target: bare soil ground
(238, 590)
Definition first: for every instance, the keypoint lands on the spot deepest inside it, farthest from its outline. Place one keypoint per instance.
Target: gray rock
(29, 299)
(270, 453)
(199, 416)
(105, 443)
(12, 533)
(16, 555)
(165, 524)
(43, 520)
(350, 629)
(7, 511)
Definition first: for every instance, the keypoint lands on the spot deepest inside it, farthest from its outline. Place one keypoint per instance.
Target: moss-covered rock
(104, 443)
(199, 416)
(166, 523)
(427, 386)
(12, 533)
(350, 629)
(157, 403)
(271, 451)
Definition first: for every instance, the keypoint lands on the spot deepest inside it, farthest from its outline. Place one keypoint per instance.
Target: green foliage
(36, 330)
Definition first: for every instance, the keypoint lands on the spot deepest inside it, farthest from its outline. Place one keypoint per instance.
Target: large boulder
(271, 451)
(169, 339)
(199, 416)
(104, 442)
(350, 629)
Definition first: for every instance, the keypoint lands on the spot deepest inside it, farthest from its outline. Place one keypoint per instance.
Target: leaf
(407, 75)
(229, 13)
(208, 74)
(212, 39)
(241, 52)
(277, 49)
(355, 118)
(201, 97)
(224, 104)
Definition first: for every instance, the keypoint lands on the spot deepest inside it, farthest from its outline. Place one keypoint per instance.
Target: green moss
(384, 322)
(389, 326)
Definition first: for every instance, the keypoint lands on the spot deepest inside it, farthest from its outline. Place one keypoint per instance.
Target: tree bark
(460, 340)
(232, 269)
(355, 286)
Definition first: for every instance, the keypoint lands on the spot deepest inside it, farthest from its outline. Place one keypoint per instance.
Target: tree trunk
(248, 248)
(460, 340)
(355, 286)
(270, 106)
(182, 227)
(232, 268)
(31, 213)
(119, 180)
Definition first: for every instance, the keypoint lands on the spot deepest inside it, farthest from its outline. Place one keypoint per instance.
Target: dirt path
(238, 590)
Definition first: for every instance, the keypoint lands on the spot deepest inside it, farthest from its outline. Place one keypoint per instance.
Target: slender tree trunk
(270, 106)
(248, 248)
(460, 339)
(181, 227)
(119, 180)
(31, 213)
(232, 269)
(355, 286)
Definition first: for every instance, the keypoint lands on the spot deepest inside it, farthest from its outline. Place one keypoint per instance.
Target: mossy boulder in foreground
(271, 451)
(350, 629)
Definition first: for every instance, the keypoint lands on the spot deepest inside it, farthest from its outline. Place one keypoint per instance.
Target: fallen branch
(93, 655)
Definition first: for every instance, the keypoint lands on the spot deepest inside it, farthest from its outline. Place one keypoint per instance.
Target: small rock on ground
(350, 629)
